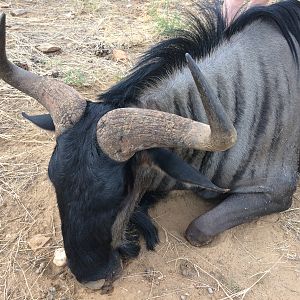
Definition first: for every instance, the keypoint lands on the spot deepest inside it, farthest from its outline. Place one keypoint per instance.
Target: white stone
(60, 258)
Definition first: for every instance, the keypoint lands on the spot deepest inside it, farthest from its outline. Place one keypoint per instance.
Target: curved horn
(122, 132)
(223, 133)
(65, 104)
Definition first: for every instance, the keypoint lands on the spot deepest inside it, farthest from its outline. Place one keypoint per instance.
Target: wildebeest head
(98, 177)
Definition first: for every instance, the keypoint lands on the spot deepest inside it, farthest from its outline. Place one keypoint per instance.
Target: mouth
(104, 285)
(94, 285)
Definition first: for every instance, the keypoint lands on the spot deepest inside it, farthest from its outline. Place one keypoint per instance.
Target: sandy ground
(260, 260)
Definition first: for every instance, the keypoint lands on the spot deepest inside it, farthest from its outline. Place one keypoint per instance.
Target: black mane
(205, 33)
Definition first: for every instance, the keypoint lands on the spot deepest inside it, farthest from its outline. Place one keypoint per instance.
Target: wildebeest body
(252, 68)
(256, 76)
(258, 84)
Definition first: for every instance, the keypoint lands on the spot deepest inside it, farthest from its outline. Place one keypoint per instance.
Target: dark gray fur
(260, 90)
(257, 80)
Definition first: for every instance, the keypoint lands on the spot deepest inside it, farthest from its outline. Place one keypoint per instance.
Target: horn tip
(2, 33)
(24, 115)
(2, 18)
(188, 57)
(191, 63)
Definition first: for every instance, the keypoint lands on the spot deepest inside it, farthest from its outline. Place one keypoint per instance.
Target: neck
(236, 70)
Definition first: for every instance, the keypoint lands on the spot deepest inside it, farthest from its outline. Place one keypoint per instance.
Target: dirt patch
(259, 260)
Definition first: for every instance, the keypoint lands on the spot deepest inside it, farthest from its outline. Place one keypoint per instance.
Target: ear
(43, 121)
(177, 168)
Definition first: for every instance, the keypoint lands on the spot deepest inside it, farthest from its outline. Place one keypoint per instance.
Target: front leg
(143, 222)
(236, 209)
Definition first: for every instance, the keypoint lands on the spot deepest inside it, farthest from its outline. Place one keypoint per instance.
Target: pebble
(19, 12)
(48, 48)
(40, 269)
(187, 269)
(5, 5)
(22, 65)
(55, 74)
(149, 273)
(119, 55)
(63, 276)
(37, 242)
(210, 290)
(102, 49)
(70, 15)
(184, 297)
(51, 293)
(50, 297)
(60, 258)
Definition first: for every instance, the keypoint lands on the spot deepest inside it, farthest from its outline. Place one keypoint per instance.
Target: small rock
(149, 274)
(60, 258)
(22, 65)
(70, 15)
(55, 74)
(37, 242)
(5, 5)
(51, 293)
(52, 290)
(40, 269)
(259, 222)
(19, 12)
(63, 276)
(210, 290)
(161, 277)
(183, 297)
(107, 288)
(37, 60)
(102, 50)
(187, 269)
(48, 48)
(119, 55)
(129, 4)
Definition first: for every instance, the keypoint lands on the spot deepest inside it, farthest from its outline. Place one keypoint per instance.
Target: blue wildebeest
(149, 136)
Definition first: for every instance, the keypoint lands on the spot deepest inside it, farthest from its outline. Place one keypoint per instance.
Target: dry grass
(291, 218)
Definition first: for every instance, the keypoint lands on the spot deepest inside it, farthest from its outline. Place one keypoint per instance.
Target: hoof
(196, 237)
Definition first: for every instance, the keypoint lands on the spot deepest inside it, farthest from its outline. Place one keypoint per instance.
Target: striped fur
(252, 66)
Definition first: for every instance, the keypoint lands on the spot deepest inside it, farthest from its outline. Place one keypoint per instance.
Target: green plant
(86, 6)
(75, 77)
(166, 18)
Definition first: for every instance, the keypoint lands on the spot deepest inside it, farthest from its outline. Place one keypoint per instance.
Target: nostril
(94, 285)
